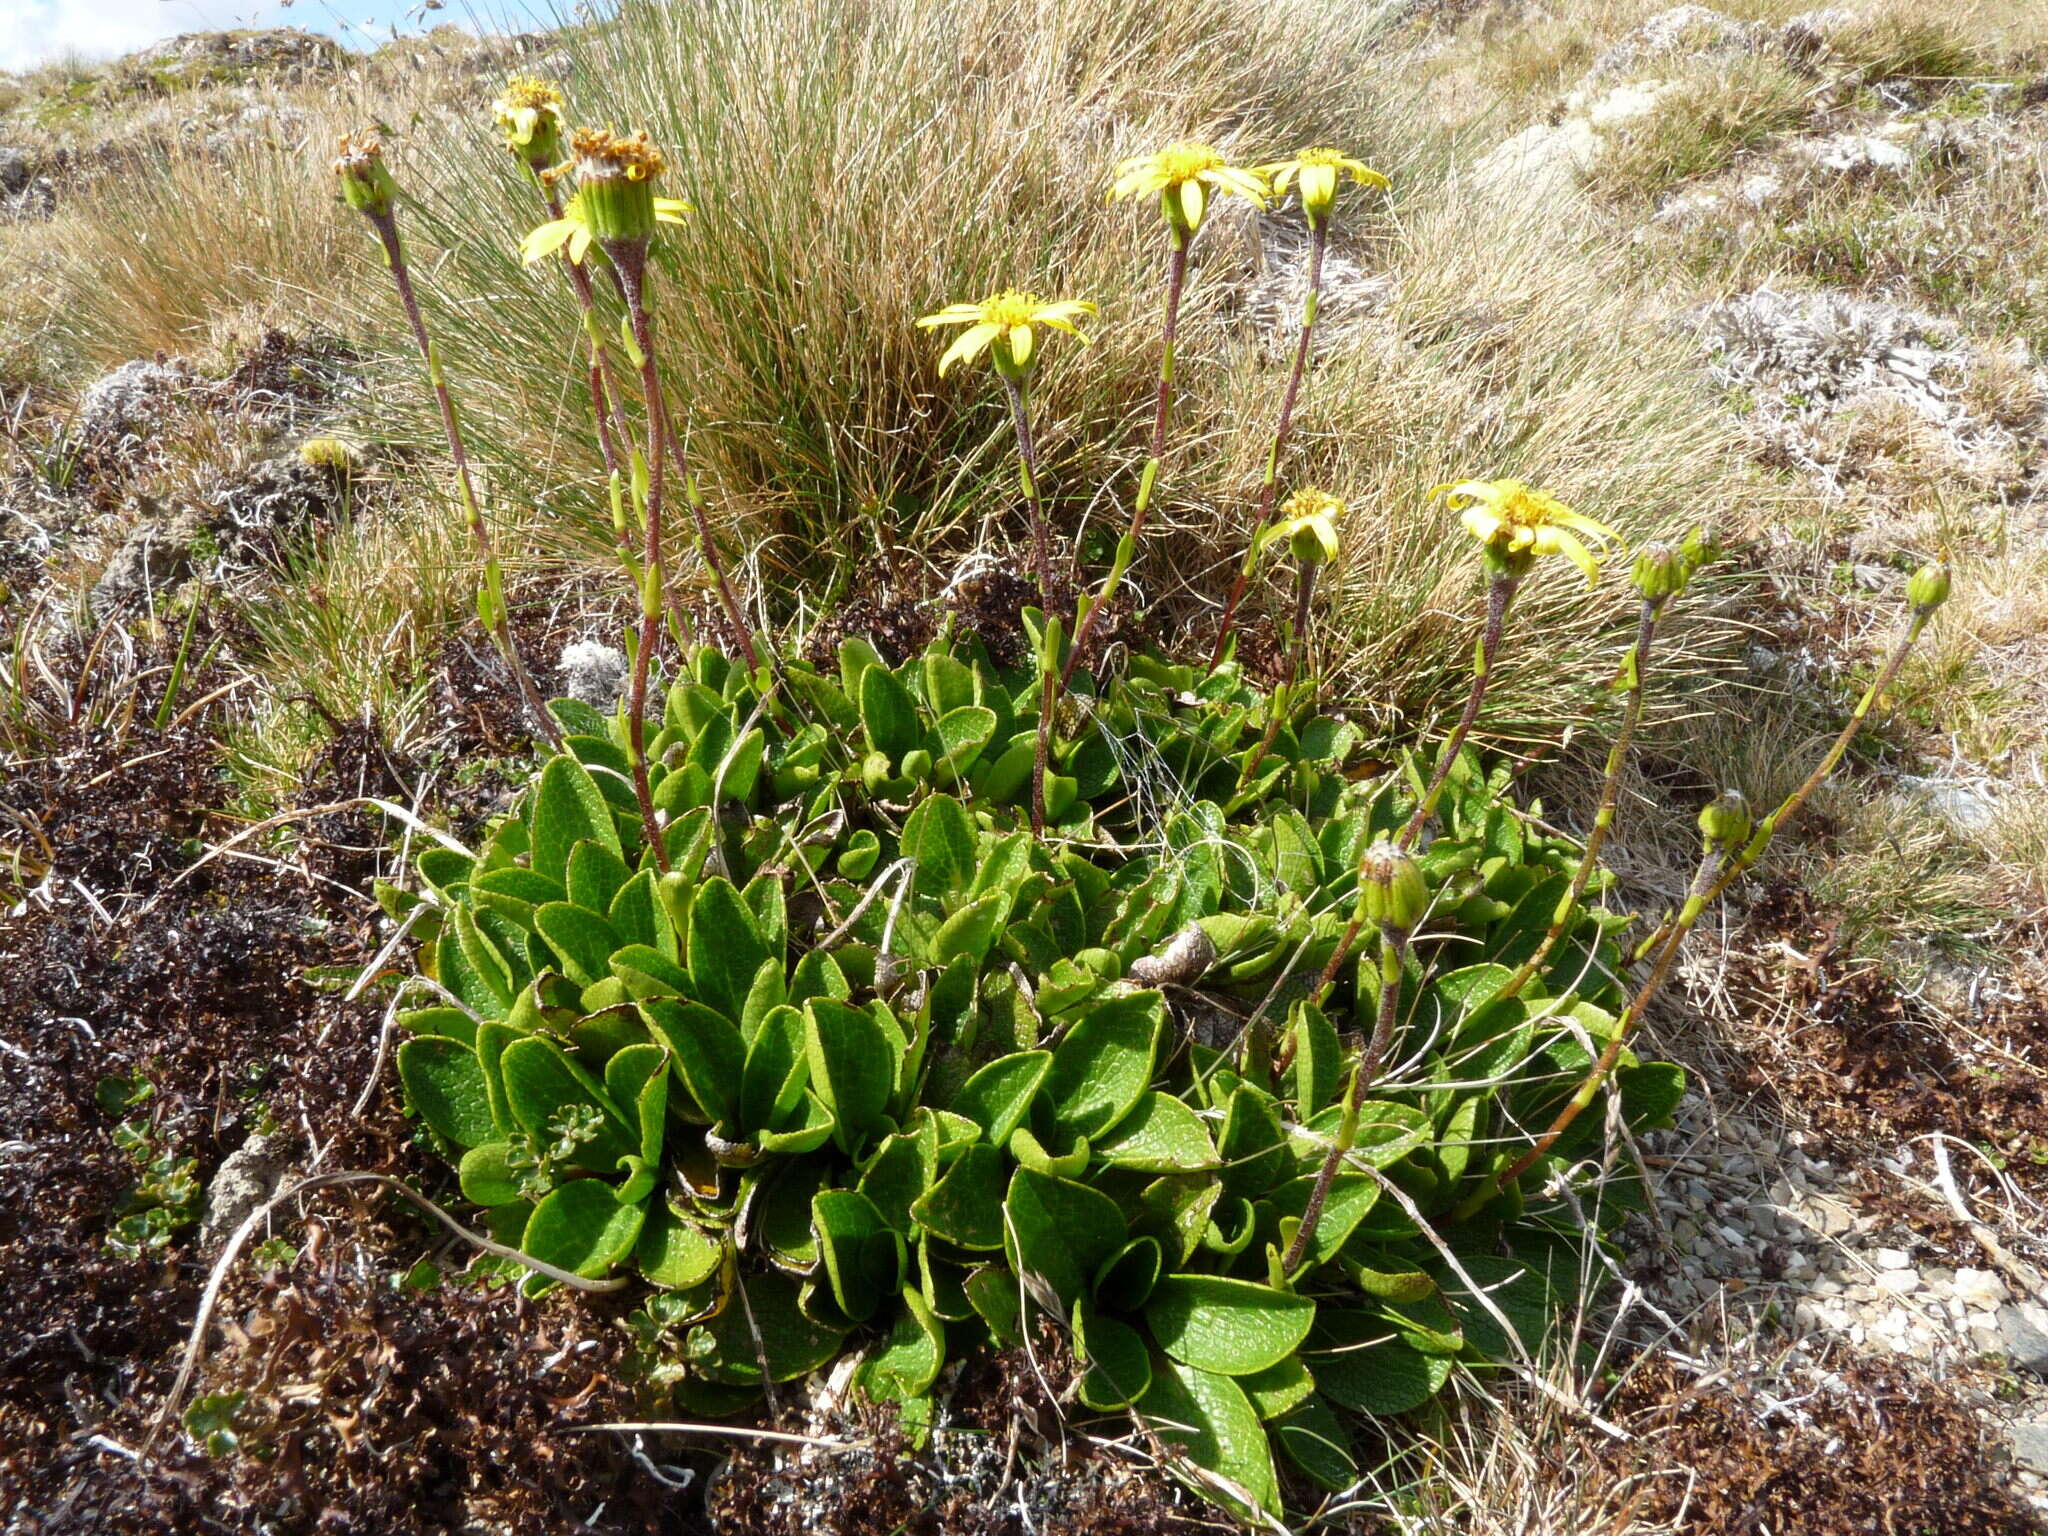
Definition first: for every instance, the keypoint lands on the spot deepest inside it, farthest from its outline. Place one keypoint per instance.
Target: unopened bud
(1660, 572)
(1725, 823)
(1698, 548)
(1391, 891)
(366, 183)
(1927, 590)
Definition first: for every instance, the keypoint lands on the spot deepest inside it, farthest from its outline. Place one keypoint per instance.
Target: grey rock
(2029, 1442)
(247, 1177)
(271, 496)
(17, 169)
(2025, 1329)
(1693, 30)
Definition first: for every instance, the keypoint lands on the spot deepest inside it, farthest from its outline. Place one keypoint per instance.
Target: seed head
(1391, 890)
(366, 183)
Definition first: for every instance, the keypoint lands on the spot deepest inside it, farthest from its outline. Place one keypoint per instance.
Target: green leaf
(908, 1361)
(582, 1228)
(484, 960)
(725, 947)
(772, 1081)
(1359, 1362)
(1160, 1135)
(966, 1206)
(863, 1254)
(961, 735)
(901, 1169)
(1350, 1199)
(1278, 1387)
(1316, 1441)
(725, 1349)
(637, 919)
(595, 875)
(541, 1082)
(486, 1175)
(889, 713)
(444, 1084)
(1118, 1368)
(939, 835)
(568, 808)
(1232, 1326)
(583, 941)
(1312, 1075)
(971, 931)
(1060, 1231)
(853, 1065)
(1521, 1295)
(708, 1054)
(1104, 1064)
(998, 1097)
(674, 1253)
(1252, 1144)
(1210, 1417)
(647, 972)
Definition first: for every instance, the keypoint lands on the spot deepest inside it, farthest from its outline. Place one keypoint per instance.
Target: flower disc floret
(1316, 174)
(1515, 522)
(1003, 325)
(1183, 175)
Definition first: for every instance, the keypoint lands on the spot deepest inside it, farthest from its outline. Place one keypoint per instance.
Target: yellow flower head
(1183, 175)
(529, 114)
(614, 198)
(1308, 524)
(1516, 523)
(1001, 325)
(366, 183)
(1318, 173)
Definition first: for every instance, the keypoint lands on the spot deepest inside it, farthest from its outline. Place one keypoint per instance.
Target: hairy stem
(1318, 237)
(1027, 473)
(1635, 671)
(1127, 546)
(631, 261)
(472, 513)
(1393, 945)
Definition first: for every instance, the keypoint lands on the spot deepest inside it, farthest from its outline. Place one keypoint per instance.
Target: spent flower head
(529, 114)
(614, 202)
(1003, 326)
(1184, 175)
(1308, 525)
(1515, 522)
(366, 183)
(1316, 174)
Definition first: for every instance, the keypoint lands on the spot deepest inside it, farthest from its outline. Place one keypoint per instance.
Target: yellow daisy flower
(1308, 524)
(1518, 522)
(1001, 325)
(1183, 175)
(1318, 173)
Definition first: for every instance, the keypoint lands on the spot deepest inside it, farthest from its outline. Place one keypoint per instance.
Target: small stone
(1898, 1282)
(1982, 1290)
(593, 673)
(1892, 1258)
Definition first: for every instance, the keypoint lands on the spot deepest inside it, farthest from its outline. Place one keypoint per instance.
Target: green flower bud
(1726, 823)
(1928, 588)
(366, 183)
(1391, 891)
(1698, 548)
(1660, 572)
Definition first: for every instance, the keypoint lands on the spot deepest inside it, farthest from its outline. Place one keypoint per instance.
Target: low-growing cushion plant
(903, 1010)
(871, 1065)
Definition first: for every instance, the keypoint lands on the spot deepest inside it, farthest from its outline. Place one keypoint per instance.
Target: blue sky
(35, 31)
